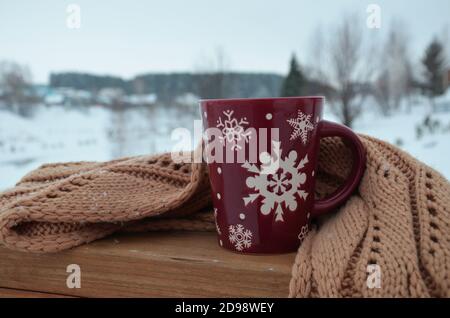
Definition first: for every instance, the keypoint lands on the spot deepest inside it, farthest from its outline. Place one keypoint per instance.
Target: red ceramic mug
(262, 158)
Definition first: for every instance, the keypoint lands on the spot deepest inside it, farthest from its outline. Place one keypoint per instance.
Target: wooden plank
(14, 293)
(167, 264)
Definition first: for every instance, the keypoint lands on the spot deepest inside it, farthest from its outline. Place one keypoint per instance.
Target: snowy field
(56, 134)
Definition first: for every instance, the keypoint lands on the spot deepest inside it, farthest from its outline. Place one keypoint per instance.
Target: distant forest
(170, 85)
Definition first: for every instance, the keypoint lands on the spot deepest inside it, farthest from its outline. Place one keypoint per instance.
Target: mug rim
(269, 99)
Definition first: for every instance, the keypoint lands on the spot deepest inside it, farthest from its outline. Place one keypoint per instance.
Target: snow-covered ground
(400, 129)
(56, 134)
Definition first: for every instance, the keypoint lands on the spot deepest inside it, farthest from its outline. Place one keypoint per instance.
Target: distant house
(41, 91)
(110, 95)
(64, 96)
(54, 98)
(75, 97)
(187, 99)
(140, 99)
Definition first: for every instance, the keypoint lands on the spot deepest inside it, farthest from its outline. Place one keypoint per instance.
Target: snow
(444, 98)
(442, 103)
(60, 133)
(400, 129)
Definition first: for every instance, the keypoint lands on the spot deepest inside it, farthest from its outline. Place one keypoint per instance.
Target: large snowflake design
(302, 125)
(217, 224)
(233, 130)
(240, 237)
(303, 232)
(279, 190)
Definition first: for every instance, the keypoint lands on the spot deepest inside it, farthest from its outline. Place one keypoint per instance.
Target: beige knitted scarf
(399, 220)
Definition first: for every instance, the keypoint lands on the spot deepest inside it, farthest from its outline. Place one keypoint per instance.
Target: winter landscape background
(57, 134)
(388, 80)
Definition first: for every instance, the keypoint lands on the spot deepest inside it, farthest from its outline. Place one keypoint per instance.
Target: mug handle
(329, 129)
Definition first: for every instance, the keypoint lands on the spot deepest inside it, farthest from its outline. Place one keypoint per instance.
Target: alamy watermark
(373, 20)
(74, 278)
(228, 145)
(374, 276)
(73, 18)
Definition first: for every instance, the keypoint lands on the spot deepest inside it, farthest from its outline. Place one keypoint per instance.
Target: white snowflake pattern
(217, 224)
(240, 237)
(302, 125)
(280, 188)
(303, 232)
(233, 130)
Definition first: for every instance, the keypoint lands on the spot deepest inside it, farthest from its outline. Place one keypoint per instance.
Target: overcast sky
(130, 37)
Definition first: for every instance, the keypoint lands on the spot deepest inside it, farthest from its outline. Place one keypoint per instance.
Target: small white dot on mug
(268, 116)
(308, 215)
(218, 195)
(242, 216)
(220, 242)
(219, 170)
(313, 173)
(265, 158)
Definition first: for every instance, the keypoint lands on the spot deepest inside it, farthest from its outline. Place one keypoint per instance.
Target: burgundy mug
(262, 158)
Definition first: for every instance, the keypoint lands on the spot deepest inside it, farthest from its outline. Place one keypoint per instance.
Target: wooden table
(168, 264)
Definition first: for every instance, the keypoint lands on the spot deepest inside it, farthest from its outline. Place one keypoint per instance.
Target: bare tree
(345, 65)
(317, 54)
(15, 87)
(138, 86)
(212, 75)
(445, 39)
(394, 79)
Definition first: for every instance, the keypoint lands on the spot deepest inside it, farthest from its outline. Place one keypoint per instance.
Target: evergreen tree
(434, 63)
(294, 83)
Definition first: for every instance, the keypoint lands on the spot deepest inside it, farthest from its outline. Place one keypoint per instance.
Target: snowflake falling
(279, 190)
(303, 232)
(302, 125)
(233, 130)
(217, 224)
(240, 237)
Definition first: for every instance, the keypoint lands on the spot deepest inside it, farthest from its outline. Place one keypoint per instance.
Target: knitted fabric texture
(399, 219)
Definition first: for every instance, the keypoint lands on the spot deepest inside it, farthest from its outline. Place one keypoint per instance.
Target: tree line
(168, 86)
(347, 66)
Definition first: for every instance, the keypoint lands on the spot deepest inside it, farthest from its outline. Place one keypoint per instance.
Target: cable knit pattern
(59, 206)
(399, 219)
